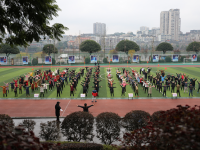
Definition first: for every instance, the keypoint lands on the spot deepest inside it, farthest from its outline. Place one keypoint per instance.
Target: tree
(49, 48)
(26, 21)
(108, 126)
(7, 49)
(164, 46)
(126, 45)
(194, 46)
(90, 46)
(78, 126)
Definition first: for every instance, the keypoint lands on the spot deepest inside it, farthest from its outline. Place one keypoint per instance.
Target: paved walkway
(46, 107)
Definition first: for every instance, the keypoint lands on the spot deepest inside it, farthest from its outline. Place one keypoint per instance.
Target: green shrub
(35, 61)
(78, 126)
(28, 124)
(129, 61)
(135, 119)
(168, 59)
(182, 58)
(8, 120)
(80, 146)
(105, 60)
(108, 126)
(53, 61)
(49, 131)
(161, 61)
(87, 60)
(121, 60)
(198, 58)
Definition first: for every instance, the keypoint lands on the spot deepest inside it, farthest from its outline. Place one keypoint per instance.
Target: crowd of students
(42, 81)
(160, 81)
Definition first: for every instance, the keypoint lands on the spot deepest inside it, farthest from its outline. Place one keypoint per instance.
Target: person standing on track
(85, 107)
(57, 111)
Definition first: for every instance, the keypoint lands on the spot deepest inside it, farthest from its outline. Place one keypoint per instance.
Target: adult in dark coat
(57, 110)
(85, 107)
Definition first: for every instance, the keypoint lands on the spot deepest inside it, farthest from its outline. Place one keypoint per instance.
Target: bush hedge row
(172, 129)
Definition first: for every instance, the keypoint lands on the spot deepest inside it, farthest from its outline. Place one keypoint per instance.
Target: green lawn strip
(4, 71)
(106, 88)
(103, 90)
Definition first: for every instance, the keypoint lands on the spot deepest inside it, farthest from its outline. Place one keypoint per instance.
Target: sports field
(7, 75)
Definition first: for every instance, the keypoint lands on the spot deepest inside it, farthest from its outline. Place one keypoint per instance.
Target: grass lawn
(7, 75)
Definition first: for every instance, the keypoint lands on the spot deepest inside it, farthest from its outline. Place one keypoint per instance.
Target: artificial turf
(7, 75)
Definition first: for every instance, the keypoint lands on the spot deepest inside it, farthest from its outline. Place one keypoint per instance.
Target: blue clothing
(27, 89)
(163, 78)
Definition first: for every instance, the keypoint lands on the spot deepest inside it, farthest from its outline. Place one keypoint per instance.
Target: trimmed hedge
(79, 146)
(87, 60)
(108, 126)
(135, 119)
(78, 126)
(35, 61)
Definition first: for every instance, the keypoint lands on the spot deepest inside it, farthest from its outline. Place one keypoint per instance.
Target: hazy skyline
(123, 16)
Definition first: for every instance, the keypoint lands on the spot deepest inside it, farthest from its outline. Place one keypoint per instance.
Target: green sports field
(7, 75)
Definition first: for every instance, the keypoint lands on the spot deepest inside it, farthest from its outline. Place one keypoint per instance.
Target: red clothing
(71, 88)
(55, 80)
(95, 94)
(15, 81)
(182, 77)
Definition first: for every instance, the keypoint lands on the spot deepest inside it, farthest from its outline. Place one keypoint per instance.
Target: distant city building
(99, 29)
(170, 23)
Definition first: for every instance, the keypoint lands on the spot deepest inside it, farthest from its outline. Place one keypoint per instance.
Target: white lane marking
(66, 108)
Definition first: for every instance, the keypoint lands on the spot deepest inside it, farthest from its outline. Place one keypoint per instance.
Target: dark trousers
(164, 93)
(172, 89)
(58, 93)
(20, 91)
(16, 94)
(136, 94)
(85, 92)
(7, 91)
(45, 90)
(5, 94)
(146, 89)
(71, 92)
(57, 118)
(198, 89)
(178, 92)
(41, 93)
(112, 93)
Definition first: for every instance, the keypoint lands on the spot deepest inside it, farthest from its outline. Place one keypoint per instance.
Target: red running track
(46, 108)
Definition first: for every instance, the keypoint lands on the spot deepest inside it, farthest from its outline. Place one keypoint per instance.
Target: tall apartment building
(99, 28)
(170, 23)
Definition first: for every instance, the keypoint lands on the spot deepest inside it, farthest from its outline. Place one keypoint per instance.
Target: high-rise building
(99, 28)
(170, 23)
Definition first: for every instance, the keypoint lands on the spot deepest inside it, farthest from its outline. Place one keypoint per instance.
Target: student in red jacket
(94, 95)
(71, 90)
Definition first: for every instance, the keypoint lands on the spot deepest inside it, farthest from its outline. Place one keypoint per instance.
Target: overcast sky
(124, 15)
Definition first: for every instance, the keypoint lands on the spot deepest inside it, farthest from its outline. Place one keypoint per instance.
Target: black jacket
(57, 109)
(85, 109)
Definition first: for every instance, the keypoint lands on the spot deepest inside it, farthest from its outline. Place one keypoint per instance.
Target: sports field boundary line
(65, 108)
(117, 98)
